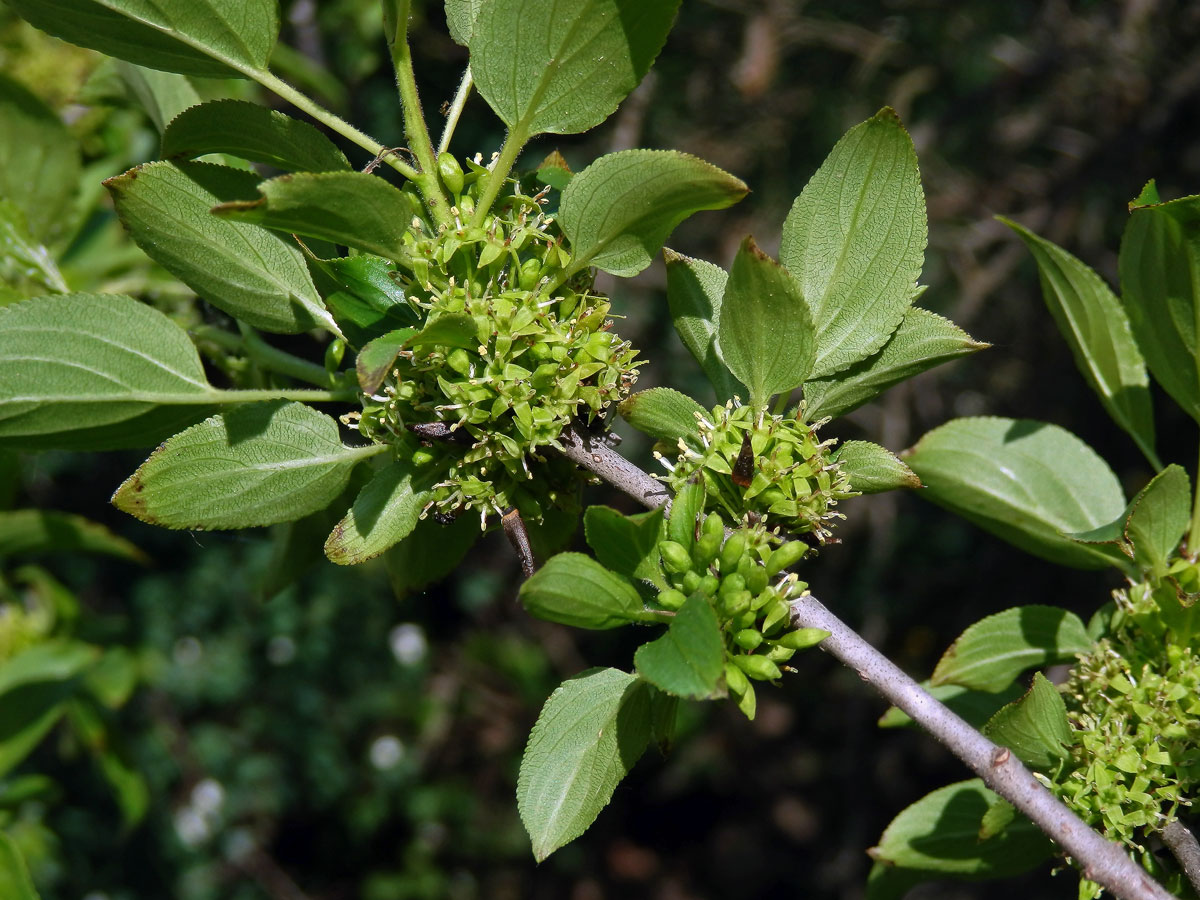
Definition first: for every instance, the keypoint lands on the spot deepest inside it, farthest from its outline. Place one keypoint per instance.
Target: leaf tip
(889, 116)
(1148, 196)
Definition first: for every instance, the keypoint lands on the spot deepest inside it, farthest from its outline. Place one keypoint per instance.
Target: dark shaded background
(1052, 113)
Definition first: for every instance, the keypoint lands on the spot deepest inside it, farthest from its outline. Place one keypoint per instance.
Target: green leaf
(39, 162)
(449, 330)
(54, 660)
(26, 717)
(363, 297)
(430, 553)
(618, 212)
(1158, 517)
(1159, 262)
(376, 358)
(385, 513)
(1035, 727)
(974, 706)
(855, 241)
(694, 292)
(663, 413)
(554, 171)
(689, 660)
(101, 736)
(248, 272)
(573, 589)
(351, 208)
(1091, 318)
(995, 650)
(211, 38)
(765, 331)
(591, 731)
(873, 469)
(999, 816)
(1027, 482)
(111, 681)
(547, 67)
(922, 341)
(460, 18)
(25, 531)
(626, 544)
(254, 465)
(142, 380)
(15, 883)
(940, 834)
(163, 95)
(252, 132)
(27, 268)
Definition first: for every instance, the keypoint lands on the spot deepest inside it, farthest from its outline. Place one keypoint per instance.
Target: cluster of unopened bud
(1134, 707)
(541, 353)
(743, 575)
(762, 468)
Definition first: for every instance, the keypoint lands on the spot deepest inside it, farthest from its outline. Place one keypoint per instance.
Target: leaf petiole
(513, 145)
(260, 352)
(455, 112)
(332, 121)
(395, 23)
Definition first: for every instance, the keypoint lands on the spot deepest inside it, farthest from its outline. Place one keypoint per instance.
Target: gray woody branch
(1102, 860)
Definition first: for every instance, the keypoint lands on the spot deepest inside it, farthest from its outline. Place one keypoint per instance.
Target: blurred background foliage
(332, 742)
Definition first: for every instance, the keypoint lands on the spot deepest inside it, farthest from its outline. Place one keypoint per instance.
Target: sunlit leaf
(254, 465)
(855, 241)
(1028, 482)
(591, 731)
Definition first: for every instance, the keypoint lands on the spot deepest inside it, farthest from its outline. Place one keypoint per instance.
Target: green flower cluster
(743, 576)
(768, 469)
(512, 352)
(1134, 706)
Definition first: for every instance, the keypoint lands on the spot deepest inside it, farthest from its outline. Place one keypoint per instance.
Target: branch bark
(1181, 842)
(1103, 861)
(590, 451)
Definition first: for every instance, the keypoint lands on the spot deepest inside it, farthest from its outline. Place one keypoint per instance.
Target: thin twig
(1102, 861)
(1181, 842)
(591, 452)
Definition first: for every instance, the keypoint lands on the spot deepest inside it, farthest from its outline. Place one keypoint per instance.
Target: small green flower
(530, 351)
(758, 467)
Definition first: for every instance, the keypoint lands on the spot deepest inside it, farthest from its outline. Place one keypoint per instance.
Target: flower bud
(757, 667)
(785, 556)
(748, 639)
(675, 557)
(706, 549)
(735, 680)
(780, 654)
(671, 598)
(451, 173)
(803, 638)
(756, 581)
(731, 553)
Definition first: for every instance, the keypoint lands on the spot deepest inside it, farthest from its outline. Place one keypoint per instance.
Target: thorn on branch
(518, 536)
